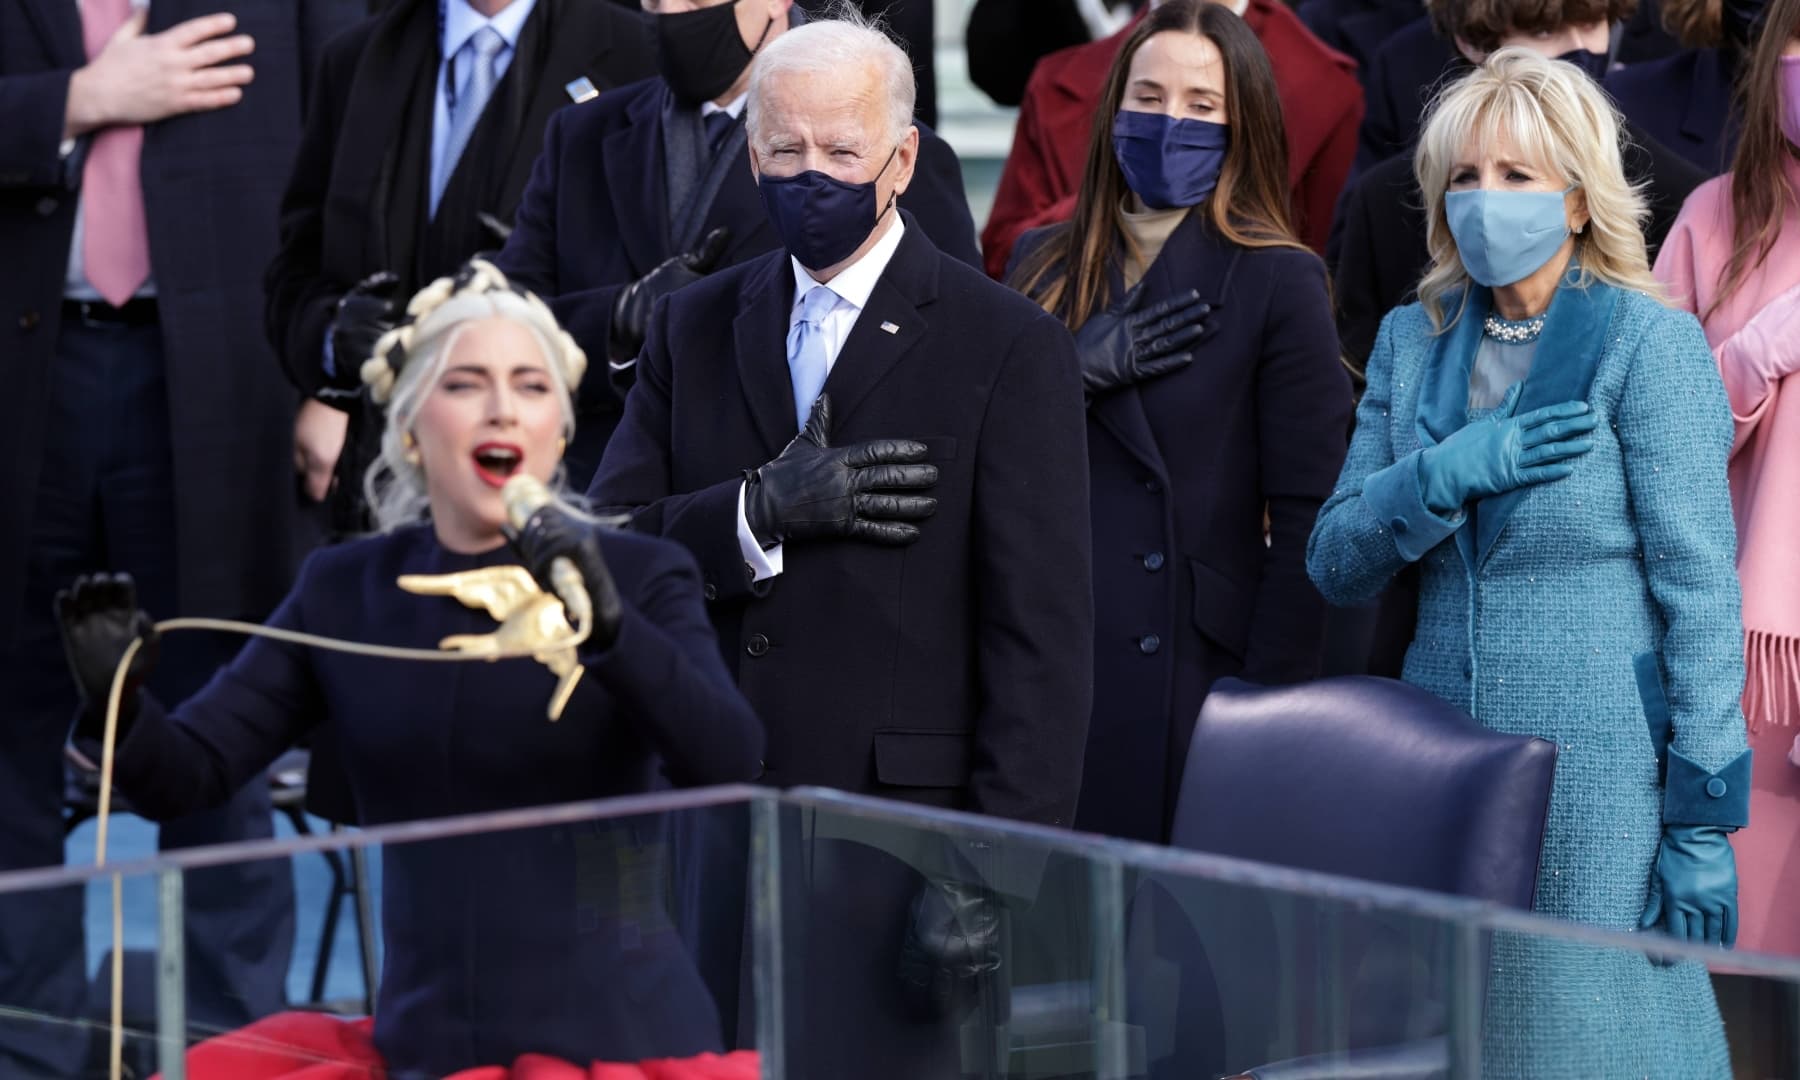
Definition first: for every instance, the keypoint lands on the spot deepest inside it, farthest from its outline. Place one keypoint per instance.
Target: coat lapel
(1203, 262)
(907, 285)
(59, 24)
(633, 158)
(760, 336)
(578, 46)
(1569, 349)
(1443, 406)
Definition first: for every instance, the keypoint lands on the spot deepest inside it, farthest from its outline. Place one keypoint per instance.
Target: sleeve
(1034, 601)
(1026, 189)
(531, 260)
(666, 673)
(1303, 414)
(937, 198)
(172, 764)
(634, 478)
(36, 107)
(1375, 520)
(1675, 430)
(301, 297)
(1323, 180)
(1756, 359)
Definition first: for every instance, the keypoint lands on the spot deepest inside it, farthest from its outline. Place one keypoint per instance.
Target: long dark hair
(1760, 189)
(1067, 274)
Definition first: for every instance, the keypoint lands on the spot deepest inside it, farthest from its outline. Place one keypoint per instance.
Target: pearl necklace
(1513, 333)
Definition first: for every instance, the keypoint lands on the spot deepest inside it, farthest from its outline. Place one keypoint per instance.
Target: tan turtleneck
(1149, 230)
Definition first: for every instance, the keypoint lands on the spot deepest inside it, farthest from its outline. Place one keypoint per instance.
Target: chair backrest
(1369, 778)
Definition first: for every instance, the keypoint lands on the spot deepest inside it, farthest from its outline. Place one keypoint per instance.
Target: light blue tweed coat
(1586, 611)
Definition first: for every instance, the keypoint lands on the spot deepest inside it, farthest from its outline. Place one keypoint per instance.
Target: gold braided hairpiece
(477, 276)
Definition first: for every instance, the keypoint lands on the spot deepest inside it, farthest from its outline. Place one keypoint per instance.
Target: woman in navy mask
(1217, 404)
(1546, 439)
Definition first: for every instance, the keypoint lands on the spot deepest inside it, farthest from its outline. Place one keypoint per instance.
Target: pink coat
(1755, 335)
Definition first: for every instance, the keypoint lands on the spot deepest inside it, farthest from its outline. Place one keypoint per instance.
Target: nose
(503, 406)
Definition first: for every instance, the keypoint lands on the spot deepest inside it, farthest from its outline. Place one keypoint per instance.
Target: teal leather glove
(1693, 888)
(1497, 455)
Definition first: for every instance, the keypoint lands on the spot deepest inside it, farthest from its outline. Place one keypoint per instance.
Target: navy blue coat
(1683, 102)
(954, 671)
(1357, 28)
(500, 944)
(211, 184)
(1181, 470)
(594, 218)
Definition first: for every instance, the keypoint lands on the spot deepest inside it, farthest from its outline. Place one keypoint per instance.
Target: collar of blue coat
(1568, 353)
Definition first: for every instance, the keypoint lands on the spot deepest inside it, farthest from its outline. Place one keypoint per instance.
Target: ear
(1469, 52)
(906, 161)
(1576, 207)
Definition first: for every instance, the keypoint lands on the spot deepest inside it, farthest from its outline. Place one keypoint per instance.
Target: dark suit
(1685, 103)
(597, 216)
(954, 672)
(1356, 28)
(1182, 469)
(163, 449)
(552, 940)
(1006, 38)
(356, 202)
(914, 23)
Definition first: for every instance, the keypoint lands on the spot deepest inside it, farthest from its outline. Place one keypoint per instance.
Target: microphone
(524, 496)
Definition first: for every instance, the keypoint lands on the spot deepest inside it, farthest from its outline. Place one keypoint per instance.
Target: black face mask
(1591, 62)
(701, 53)
(1742, 20)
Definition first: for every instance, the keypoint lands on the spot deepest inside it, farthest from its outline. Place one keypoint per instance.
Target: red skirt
(317, 1046)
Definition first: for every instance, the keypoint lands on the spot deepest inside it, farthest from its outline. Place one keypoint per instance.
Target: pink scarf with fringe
(1755, 336)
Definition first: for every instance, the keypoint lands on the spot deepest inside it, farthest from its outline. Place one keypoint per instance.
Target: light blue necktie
(482, 53)
(806, 349)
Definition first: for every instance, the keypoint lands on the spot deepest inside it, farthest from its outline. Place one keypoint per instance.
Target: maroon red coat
(1321, 105)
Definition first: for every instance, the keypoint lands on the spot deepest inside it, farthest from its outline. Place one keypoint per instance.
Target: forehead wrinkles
(820, 109)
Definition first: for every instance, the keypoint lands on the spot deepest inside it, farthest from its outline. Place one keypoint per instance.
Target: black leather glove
(1122, 346)
(99, 618)
(631, 308)
(952, 940)
(554, 533)
(364, 313)
(816, 491)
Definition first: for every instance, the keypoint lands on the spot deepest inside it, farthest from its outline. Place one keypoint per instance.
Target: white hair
(410, 359)
(846, 41)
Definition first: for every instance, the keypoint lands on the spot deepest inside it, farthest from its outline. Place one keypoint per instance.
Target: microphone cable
(115, 695)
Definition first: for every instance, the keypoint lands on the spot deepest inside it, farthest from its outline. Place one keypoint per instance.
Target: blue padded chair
(1357, 776)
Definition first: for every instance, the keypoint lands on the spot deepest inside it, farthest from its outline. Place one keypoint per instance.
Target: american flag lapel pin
(581, 90)
(892, 328)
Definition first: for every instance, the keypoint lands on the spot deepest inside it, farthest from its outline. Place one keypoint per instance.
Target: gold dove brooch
(533, 622)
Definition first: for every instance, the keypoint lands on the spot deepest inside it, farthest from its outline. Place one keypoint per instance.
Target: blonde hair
(1558, 117)
(410, 359)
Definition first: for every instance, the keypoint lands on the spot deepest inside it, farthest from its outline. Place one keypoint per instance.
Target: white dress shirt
(853, 285)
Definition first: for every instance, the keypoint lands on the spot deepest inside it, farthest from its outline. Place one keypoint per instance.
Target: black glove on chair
(816, 491)
(1122, 346)
(99, 619)
(364, 313)
(952, 940)
(631, 309)
(554, 533)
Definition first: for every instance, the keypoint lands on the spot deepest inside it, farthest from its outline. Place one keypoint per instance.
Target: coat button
(1148, 644)
(1468, 672)
(1716, 788)
(28, 321)
(1153, 561)
(1152, 485)
(46, 206)
(710, 591)
(758, 645)
(762, 769)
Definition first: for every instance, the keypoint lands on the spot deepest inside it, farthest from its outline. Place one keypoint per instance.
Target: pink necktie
(115, 245)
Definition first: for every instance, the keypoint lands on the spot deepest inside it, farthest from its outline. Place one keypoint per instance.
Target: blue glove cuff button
(1717, 788)
(1398, 525)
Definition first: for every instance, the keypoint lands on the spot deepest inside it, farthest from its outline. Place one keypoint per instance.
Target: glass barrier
(849, 937)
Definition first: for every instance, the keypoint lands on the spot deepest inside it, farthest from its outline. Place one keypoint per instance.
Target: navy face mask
(1591, 62)
(1169, 163)
(822, 219)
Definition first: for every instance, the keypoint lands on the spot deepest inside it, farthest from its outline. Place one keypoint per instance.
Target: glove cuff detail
(1395, 497)
(1693, 796)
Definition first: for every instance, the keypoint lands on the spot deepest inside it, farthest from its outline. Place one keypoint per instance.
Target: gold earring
(561, 445)
(413, 458)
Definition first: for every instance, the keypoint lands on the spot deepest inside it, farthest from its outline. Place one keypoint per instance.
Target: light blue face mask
(1506, 236)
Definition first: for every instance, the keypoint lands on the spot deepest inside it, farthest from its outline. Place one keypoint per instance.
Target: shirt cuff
(330, 362)
(763, 565)
(1398, 503)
